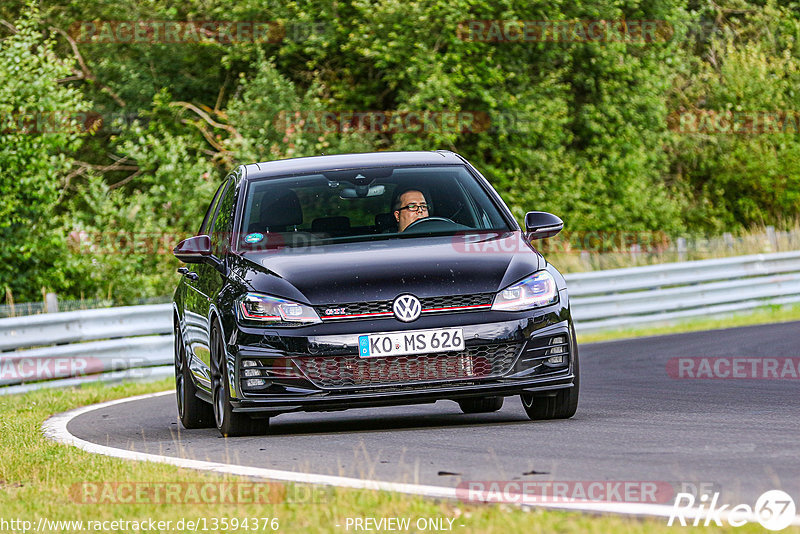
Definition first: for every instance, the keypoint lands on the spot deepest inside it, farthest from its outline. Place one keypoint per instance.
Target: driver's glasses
(415, 208)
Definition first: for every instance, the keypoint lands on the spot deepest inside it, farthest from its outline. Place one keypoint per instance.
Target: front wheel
(193, 412)
(564, 403)
(229, 423)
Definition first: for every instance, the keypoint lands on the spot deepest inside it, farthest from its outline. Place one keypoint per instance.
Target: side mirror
(196, 249)
(540, 224)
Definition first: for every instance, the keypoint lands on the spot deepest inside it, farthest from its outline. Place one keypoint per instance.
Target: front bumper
(322, 371)
(332, 401)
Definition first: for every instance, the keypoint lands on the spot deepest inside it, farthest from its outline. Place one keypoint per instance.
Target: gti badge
(406, 308)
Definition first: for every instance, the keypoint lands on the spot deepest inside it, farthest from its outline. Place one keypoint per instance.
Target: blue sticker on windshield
(253, 238)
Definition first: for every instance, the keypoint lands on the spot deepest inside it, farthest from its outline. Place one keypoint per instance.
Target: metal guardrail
(72, 348)
(622, 297)
(149, 373)
(52, 304)
(78, 347)
(84, 325)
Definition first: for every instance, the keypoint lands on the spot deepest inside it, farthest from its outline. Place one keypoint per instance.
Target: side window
(211, 210)
(223, 222)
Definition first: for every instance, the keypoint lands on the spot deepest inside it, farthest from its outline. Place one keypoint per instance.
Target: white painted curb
(55, 428)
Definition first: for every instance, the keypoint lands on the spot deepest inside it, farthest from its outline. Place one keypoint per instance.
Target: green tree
(39, 132)
(749, 67)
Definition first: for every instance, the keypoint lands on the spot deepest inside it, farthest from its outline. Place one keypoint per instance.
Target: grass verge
(763, 315)
(42, 479)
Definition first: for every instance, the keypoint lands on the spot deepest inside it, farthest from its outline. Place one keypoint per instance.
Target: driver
(409, 207)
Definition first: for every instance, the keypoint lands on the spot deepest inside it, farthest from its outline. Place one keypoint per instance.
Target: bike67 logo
(774, 510)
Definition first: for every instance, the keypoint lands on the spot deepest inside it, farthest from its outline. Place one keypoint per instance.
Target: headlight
(535, 291)
(266, 309)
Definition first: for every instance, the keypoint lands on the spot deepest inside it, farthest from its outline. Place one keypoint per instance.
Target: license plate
(411, 342)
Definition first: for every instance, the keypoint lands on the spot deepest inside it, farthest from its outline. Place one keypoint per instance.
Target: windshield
(363, 204)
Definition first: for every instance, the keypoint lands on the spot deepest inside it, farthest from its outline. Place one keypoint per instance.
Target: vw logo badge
(406, 308)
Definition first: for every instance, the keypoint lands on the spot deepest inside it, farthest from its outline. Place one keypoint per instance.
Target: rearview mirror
(540, 224)
(193, 250)
(362, 191)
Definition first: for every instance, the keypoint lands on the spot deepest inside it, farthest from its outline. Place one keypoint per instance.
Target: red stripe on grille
(459, 307)
(356, 315)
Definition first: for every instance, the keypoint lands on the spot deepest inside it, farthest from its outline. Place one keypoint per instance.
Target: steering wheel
(427, 220)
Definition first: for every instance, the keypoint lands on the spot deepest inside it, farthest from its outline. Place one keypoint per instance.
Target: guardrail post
(10, 302)
(635, 250)
(728, 238)
(51, 303)
(586, 260)
(772, 238)
(681, 249)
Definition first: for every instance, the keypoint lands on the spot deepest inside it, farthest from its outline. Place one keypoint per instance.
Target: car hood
(384, 269)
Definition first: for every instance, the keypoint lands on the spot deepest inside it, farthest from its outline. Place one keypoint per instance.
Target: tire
(229, 423)
(481, 404)
(564, 403)
(193, 412)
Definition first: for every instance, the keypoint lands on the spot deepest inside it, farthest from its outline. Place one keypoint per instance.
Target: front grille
(355, 308)
(456, 301)
(366, 310)
(477, 362)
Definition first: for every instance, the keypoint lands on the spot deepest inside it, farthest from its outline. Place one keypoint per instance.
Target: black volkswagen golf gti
(334, 282)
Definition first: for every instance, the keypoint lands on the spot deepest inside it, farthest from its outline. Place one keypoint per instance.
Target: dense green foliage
(33, 164)
(583, 129)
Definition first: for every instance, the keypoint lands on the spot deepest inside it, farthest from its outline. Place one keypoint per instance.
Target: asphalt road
(634, 423)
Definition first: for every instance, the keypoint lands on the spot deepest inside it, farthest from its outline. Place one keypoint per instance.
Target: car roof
(314, 164)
